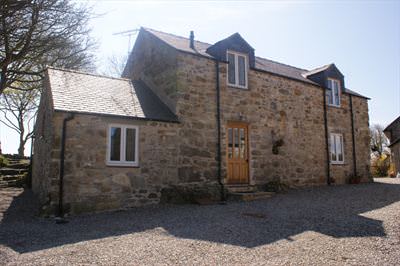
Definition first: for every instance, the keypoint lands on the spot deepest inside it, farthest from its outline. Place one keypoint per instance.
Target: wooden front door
(237, 153)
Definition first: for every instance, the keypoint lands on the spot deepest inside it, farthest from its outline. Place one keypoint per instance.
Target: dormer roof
(236, 37)
(317, 70)
(236, 43)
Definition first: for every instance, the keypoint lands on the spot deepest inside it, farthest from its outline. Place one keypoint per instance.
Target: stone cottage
(192, 115)
(392, 131)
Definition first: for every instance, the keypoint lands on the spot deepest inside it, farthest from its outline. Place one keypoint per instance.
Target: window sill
(335, 106)
(119, 164)
(237, 87)
(338, 163)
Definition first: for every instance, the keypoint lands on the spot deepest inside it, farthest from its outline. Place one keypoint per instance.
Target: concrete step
(240, 188)
(11, 177)
(13, 160)
(12, 183)
(249, 196)
(12, 171)
(18, 166)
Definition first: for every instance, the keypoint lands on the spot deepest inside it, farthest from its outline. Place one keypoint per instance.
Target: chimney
(191, 39)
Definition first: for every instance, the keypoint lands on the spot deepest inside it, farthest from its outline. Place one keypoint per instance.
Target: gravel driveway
(352, 224)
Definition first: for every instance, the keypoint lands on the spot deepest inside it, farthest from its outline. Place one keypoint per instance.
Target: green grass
(3, 161)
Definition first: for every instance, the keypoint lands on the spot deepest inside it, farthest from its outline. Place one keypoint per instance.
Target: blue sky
(361, 37)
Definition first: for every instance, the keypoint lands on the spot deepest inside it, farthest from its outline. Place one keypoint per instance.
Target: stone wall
(362, 136)
(186, 84)
(395, 150)
(155, 63)
(42, 150)
(274, 108)
(278, 108)
(91, 185)
(196, 109)
(339, 121)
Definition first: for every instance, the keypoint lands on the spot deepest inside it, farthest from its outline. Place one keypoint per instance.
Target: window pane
(333, 148)
(130, 144)
(236, 142)
(231, 69)
(242, 144)
(242, 70)
(230, 139)
(115, 144)
(329, 96)
(339, 147)
(336, 89)
(336, 84)
(329, 83)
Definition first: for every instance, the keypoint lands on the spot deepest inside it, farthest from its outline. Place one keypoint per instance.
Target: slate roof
(282, 69)
(80, 92)
(393, 123)
(183, 44)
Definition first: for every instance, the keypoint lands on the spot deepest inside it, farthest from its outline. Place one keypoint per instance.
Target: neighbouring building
(392, 131)
(193, 115)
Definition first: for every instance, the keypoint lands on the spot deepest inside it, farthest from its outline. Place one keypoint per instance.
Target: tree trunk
(21, 150)
(21, 147)
(22, 141)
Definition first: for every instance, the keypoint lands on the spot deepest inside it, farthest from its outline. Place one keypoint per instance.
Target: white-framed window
(123, 145)
(333, 92)
(336, 148)
(237, 69)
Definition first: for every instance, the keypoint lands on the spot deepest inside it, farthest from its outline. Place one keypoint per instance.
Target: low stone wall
(193, 193)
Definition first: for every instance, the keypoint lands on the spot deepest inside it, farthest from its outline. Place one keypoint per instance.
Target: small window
(123, 145)
(336, 148)
(237, 69)
(333, 92)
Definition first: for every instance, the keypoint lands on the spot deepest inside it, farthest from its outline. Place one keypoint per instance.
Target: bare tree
(115, 65)
(19, 108)
(379, 142)
(34, 33)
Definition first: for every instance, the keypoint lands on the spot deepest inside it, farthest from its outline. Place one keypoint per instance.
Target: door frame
(238, 124)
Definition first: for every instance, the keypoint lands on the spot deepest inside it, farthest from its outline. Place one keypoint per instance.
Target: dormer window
(333, 92)
(237, 69)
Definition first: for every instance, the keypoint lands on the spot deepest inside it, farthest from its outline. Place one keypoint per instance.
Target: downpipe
(60, 217)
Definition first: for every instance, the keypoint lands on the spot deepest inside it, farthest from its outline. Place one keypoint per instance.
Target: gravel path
(352, 224)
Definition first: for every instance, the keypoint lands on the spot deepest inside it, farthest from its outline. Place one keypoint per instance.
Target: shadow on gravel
(333, 211)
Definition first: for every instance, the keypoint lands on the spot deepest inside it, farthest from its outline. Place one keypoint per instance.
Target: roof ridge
(84, 73)
(282, 63)
(178, 36)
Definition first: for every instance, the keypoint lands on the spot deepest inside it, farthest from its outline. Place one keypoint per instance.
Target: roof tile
(75, 91)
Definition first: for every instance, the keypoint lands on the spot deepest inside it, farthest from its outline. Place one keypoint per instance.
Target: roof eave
(394, 142)
(117, 116)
